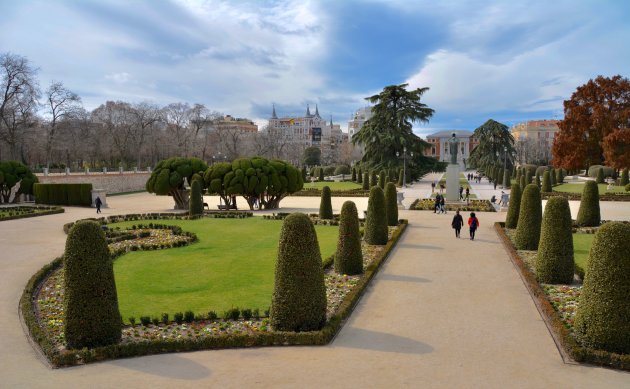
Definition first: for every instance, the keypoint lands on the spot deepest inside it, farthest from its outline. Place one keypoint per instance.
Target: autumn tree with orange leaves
(596, 126)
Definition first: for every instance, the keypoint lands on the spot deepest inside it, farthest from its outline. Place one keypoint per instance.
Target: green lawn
(578, 188)
(232, 265)
(345, 185)
(581, 247)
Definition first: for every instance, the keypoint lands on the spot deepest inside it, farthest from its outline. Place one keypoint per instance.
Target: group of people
(439, 204)
(458, 222)
(476, 177)
(433, 185)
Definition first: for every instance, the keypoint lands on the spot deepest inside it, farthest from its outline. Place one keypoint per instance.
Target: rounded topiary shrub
(373, 179)
(299, 295)
(325, 205)
(391, 204)
(529, 219)
(196, 201)
(546, 183)
(624, 177)
(376, 222)
(348, 257)
(554, 260)
(588, 215)
(366, 181)
(511, 220)
(382, 178)
(537, 180)
(92, 317)
(593, 171)
(602, 320)
(523, 182)
(552, 177)
(600, 175)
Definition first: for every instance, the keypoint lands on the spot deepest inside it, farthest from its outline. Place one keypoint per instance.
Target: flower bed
(313, 192)
(578, 196)
(20, 212)
(42, 307)
(474, 206)
(557, 305)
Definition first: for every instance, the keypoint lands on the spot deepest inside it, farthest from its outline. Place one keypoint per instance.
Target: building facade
(533, 140)
(230, 123)
(357, 120)
(439, 146)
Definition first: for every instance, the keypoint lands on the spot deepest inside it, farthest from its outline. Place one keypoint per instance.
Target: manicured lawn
(345, 185)
(232, 265)
(581, 247)
(578, 188)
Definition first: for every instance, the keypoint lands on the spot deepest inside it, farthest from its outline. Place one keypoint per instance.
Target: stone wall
(111, 182)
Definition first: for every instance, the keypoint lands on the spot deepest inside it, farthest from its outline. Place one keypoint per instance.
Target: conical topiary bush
(552, 177)
(92, 317)
(624, 177)
(554, 260)
(349, 258)
(537, 180)
(373, 179)
(559, 176)
(196, 200)
(546, 184)
(511, 220)
(321, 174)
(529, 219)
(600, 175)
(507, 182)
(382, 178)
(299, 295)
(354, 174)
(391, 204)
(376, 222)
(359, 177)
(400, 178)
(588, 215)
(366, 181)
(523, 181)
(602, 320)
(325, 204)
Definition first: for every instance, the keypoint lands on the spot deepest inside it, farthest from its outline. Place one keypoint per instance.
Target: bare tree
(60, 103)
(145, 116)
(118, 122)
(18, 100)
(177, 117)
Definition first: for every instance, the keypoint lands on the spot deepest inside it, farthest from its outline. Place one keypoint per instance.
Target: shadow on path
(401, 278)
(167, 365)
(359, 338)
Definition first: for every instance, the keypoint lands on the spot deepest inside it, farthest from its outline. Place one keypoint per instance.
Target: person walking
(437, 203)
(98, 204)
(441, 188)
(467, 195)
(433, 187)
(457, 223)
(461, 192)
(442, 205)
(473, 223)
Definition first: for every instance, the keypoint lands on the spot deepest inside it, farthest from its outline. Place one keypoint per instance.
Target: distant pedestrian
(473, 223)
(495, 184)
(433, 187)
(441, 188)
(442, 205)
(437, 203)
(457, 223)
(461, 192)
(98, 204)
(467, 195)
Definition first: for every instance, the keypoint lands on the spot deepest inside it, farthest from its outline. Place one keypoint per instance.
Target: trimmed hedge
(511, 220)
(325, 204)
(602, 320)
(359, 177)
(376, 222)
(196, 199)
(523, 182)
(546, 183)
(366, 181)
(382, 179)
(22, 212)
(349, 258)
(529, 219)
(589, 214)
(554, 261)
(91, 315)
(600, 176)
(593, 171)
(63, 194)
(624, 177)
(391, 204)
(373, 179)
(299, 295)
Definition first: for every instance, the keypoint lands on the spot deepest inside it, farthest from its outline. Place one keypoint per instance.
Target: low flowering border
(313, 192)
(578, 196)
(474, 206)
(38, 210)
(336, 319)
(569, 348)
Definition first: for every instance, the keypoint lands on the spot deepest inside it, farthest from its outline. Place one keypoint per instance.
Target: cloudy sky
(507, 60)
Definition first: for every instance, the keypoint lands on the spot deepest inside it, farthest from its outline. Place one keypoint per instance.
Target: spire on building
(316, 110)
(273, 113)
(308, 111)
(331, 123)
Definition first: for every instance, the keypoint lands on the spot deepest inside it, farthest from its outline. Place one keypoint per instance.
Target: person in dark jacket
(98, 204)
(457, 223)
(473, 223)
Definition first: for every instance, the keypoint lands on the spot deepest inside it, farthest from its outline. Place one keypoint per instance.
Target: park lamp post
(404, 164)
(504, 167)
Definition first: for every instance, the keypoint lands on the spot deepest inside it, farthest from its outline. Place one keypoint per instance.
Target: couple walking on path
(458, 222)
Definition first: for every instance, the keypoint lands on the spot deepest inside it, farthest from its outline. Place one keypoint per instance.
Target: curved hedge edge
(570, 351)
(578, 196)
(455, 207)
(306, 192)
(52, 211)
(57, 359)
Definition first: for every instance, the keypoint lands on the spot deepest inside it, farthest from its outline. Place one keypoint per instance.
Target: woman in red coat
(473, 223)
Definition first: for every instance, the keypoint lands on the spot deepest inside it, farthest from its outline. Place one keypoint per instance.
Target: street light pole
(504, 167)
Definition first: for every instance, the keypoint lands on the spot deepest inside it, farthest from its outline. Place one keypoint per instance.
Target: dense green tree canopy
(254, 178)
(312, 156)
(494, 137)
(168, 178)
(12, 173)
(389, 130)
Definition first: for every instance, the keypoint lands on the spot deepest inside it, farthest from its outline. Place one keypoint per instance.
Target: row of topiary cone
(603, 317)
(92, 317)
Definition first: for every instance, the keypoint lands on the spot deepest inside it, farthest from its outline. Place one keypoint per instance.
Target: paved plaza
(441, 313)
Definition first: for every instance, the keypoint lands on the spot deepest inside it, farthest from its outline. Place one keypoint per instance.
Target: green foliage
(359, 177)
(511, 220)
(552, 177)
(299, 296)
(624, 177)
(90, 305)
(354, 175)
(312, 156)
(376, 223)
(593, 171)
(546, 184)
(559, 176)
(63, 194)
(366, 181)
(554, 260)
(589, 215)
(196, 199)
(320, 174)
(325, 205)
(373, 179)
(12, 173)
(523, 181)
(493, 138)
(602, 320)
(381, 179)
(342, 169)
(600, 175)
(169, 174)
(507, 182)
(529, 219)
(391, 204)
(627, 188)
(303, 170)
(349, 258)
(537, 180)
(400, 178)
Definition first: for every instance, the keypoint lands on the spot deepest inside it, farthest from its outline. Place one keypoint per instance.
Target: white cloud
(119, 78)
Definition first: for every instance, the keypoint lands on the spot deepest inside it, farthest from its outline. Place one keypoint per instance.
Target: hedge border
(578, 196)
(46, 211)
(334, 193)
(324, 336)
(569, 349)
(456, 207)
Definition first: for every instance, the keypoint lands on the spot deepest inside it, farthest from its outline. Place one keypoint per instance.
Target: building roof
(449, 133)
